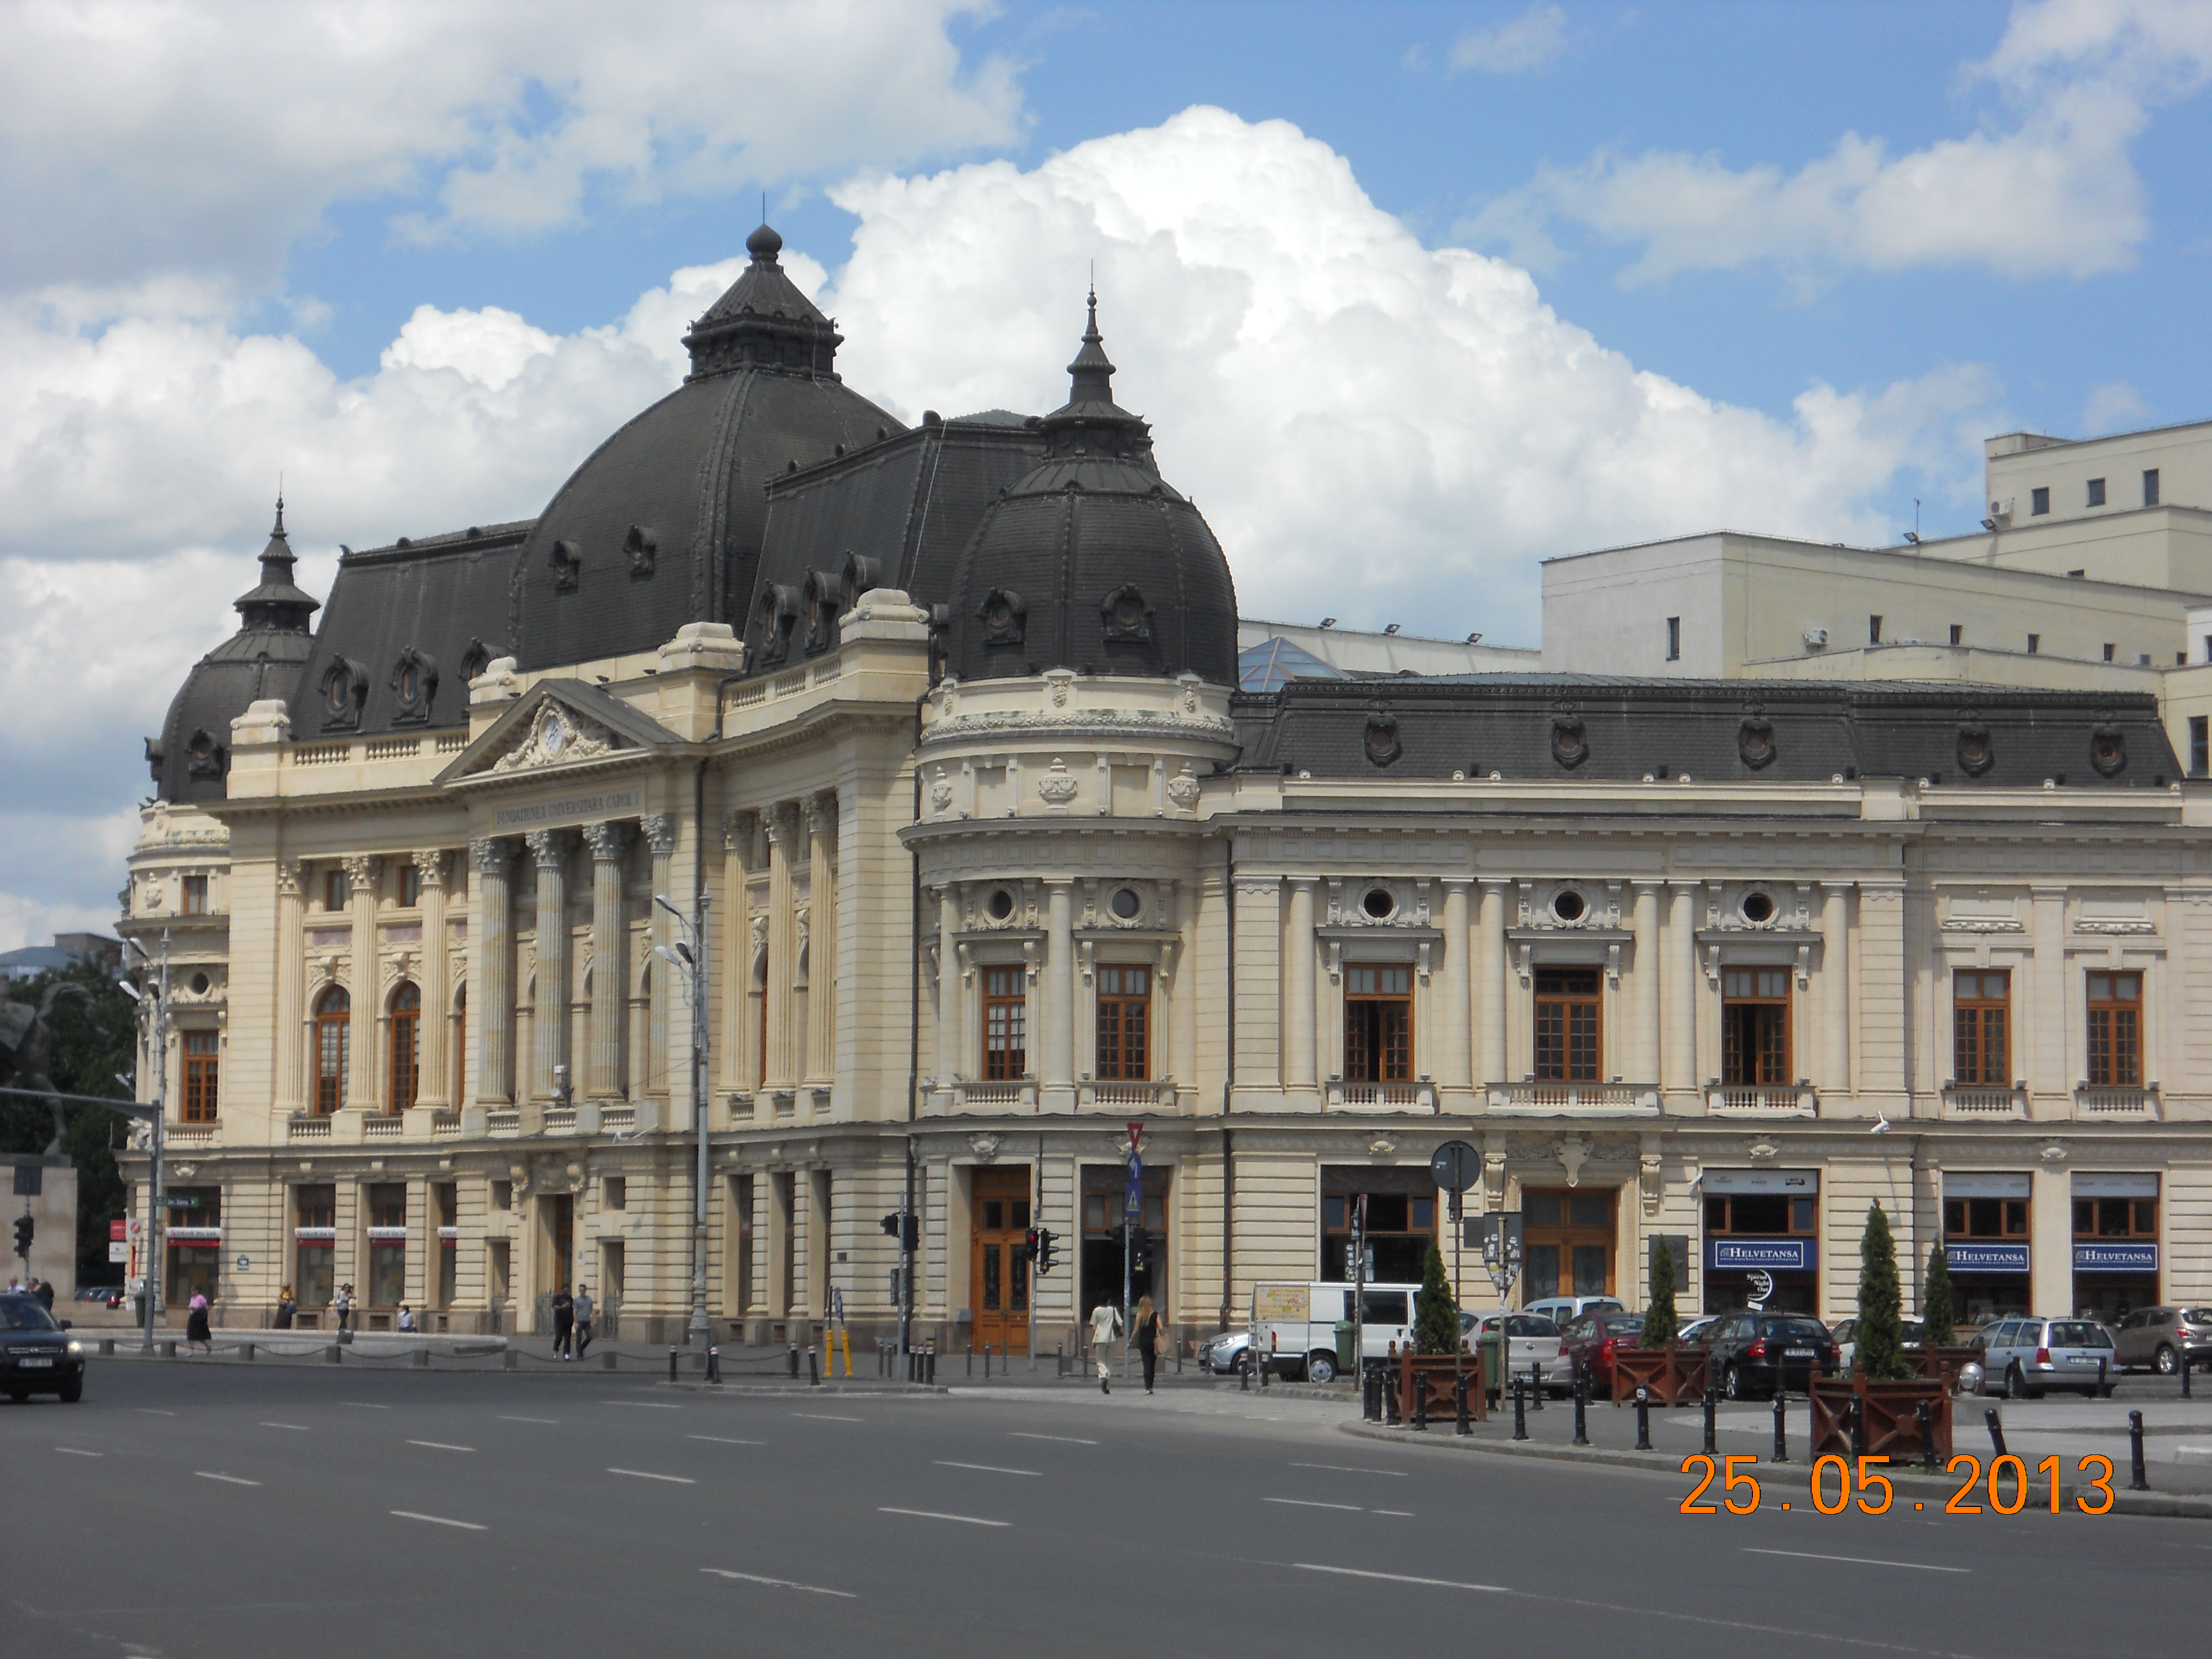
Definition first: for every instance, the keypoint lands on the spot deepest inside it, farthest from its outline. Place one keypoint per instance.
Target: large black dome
(191, 759)
(1092, 561)
(662, 524)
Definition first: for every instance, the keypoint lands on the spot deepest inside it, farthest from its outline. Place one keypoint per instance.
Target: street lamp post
(157, 1028)
(689, 958)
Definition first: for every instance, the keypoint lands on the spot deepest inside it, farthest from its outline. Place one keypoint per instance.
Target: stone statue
(27, 1048)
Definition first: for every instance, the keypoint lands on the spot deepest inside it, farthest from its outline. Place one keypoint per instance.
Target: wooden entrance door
(1566, 1244)
(999, 1279)
(556, 1250)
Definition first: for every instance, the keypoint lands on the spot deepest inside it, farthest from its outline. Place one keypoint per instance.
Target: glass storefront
(1986, 1245)
(1401, 1219)
(195, 1243)
(388, 1244)
(1762, 1240)
(2115, 1243)
(314, 1242)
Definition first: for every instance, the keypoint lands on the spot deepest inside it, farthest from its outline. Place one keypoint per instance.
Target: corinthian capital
(608, 838)
(783, 825)
(491, 855)
(430, 862)
(361, 872)
(659, 832)
(548, 848)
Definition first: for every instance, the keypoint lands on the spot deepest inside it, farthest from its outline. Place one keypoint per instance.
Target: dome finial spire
(1092, 371)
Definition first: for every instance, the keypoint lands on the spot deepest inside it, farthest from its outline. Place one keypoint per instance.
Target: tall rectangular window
(387, 1253)
(2096, 492)
(2200, 745)
(195, 895)
(2039, 501)
(1755, 1026)
(1673, 639)
(1569, 1026)
(1981, 1029)
(336, 894)
(411, 887)
(314, 1216)
(2116, 1031)
(1968, 1218)
(1958, 634)
(2034, 643)
(1378, 1024)
(1125, 1024)
(2109, 649)
(2150, 487)
(1874, 630)
(201, 1055)
(1005, 1024)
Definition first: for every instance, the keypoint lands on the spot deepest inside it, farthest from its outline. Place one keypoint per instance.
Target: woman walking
(196, 1324)
(286, 1308)
(1146, 1335)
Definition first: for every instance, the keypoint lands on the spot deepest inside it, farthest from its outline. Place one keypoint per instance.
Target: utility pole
(155, 1248)
(688, 959)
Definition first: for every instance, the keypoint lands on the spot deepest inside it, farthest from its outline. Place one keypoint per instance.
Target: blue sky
(1415, 295)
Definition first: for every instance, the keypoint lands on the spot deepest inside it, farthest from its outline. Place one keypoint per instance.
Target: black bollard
(671, 1362)
(1520, 1409)
(2185, 1370)
(1536, 1385)
(1996, 1429)
(1858, 1427)
(1390, 1411)
(1059, 1360)
(813, 1372)
(333, 1352)
(1712, 1406)
(1582, 1405)
(246, 1350)
(971, 1360)
(509, 1359)
(713, 1364)
(987, 1361)
(1420, 1402)
(1244, 1374)
(607, 1359)
(2104, 1388)
(1643, 1417)
(1925, 1412)
(1781, 1426)
(1462, 1426)
(2138, 1481)
(791, 1357)
(929, 1362)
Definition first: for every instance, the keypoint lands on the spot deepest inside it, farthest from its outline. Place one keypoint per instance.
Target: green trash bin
(1493, 1361)
(1347, 1362)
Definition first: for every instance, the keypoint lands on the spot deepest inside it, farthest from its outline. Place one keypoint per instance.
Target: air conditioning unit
(2002, 510)
(1817, 638)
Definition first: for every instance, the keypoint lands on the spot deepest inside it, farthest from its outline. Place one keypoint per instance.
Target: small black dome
(1092, 561)
(190, 759)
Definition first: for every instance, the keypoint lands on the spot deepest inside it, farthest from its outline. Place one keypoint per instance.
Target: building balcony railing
(444, 1124)
(382, 1126)
(2140, 1104)
(560, 1120)
(1010, 1095)
(1532, 1099)
(190, 1135)
(508, 1123)
(1984, 1102)
(1761, 1100)
(307, 1128)
(616, 1120)
(1156, 1095)
(1419, 1097)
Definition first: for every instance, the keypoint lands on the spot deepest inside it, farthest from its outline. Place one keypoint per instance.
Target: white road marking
(439, 1445)
(1407, 1514)
(824, 1416)
(440, 1520)
(648, 1475)
(550, 1421)
(1348, 1468)
(1309, 1504)
(149, 1411)
(778, 1584)
(644, 1404)
(988, 1469)
(1402, 1578)
(301, 1427)
(74, 1452)
(1858, 1560)
(229, 1479)
(724, 1440)
(365, 1404)
(938, 1515)
(1065, 1439)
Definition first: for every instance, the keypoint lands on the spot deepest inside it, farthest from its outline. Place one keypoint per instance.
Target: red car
(1589, 1342)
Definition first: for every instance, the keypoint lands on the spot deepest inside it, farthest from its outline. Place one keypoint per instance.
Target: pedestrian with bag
(286, 1308)
(1105, 1326)
(583, 1314)
(563, 1308)
(197, 1335)
(1146, 1333)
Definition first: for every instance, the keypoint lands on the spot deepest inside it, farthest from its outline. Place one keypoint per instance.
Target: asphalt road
(216, 1510)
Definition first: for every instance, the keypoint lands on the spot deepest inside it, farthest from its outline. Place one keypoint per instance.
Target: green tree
(1936, 1310)
(1659, 1317)
(91, 1045)
(1436, 1315)
(1880, 1347)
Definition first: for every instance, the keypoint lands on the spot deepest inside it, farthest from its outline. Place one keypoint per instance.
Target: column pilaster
(1835, 1004)
(781, 1064)
(1058, 998)
(1490, 983)
(610, 841)
(660, 831)
(1300, 1065)
(1648, 957)
(549, 1020)
(491, 971)
(1457, 1012)
(822, 938)
(362, 1069)
(738, 830)
(1679, 989)
(290, 1081)
(437, 1071)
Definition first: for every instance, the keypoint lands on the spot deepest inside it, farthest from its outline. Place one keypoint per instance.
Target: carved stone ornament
(1754, 741)
(2054, 1153)
(1574, 1152)
(1380, 743)
(1762, 1150)
(1570, 746)
(1183, 787)
(1125, 616)
(1005, 615)
(1651, 1181)
(558, 736)
(2108, 750)
(985, 1147)
(940, 792)
(1977, 751)
(1381, 1146)
(1057, 786)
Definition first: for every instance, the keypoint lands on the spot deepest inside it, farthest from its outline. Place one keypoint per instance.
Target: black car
(37, 1355)
(1746, 1352)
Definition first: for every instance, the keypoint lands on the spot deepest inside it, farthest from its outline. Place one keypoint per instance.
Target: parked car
(1224, 1352)
(2026, 1357)
(1562, 1309)
(1532, 1342)
(93, 1293)
(1750, 1351)
(1295, 1323)
(1587, 1343)
(1693, 1332)
(1846, 1335)
(2159, 1337)
(37, 1353)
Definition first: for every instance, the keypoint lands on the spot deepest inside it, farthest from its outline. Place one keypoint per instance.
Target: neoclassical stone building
(942, 722)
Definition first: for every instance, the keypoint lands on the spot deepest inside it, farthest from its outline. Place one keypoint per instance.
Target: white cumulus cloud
(1528, 42)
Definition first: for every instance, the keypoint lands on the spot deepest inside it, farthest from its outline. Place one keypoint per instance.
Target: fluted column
(1058, 1002)
(738, 829)
(437, 1071)
(1835, 1075)
(362, 1068)
(548, 1020)
(1649, 956)
(951, 1051)
(609, 839)
(779, 1067)
(1679, 987)
(821, 935)
(1456, 1011)
(1299, 1069)
(290, 1089)
(1490, 983)
(660, 831)
(491, 958)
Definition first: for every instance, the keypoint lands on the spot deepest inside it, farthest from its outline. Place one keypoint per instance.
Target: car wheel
(72, 1391)
(1321, 1368)
(2164, 1362)
(2015, 1384)
(1732, 1383)
(21, 1396)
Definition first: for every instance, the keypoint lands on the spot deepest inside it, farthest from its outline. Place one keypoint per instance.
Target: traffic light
(24, 1228)
(911, 1236)
(1043, 1252)
(1140, 1250)
(1027, 1249)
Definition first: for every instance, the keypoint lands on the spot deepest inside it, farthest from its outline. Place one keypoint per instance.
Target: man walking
(583, 1313)
(564, 1322)
(1105, 1326)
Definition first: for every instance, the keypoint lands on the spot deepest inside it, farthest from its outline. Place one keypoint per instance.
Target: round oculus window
(411, 684)
(557, 734)
(200, 985)
(998, 614)
(1378, 903)
(341, 692)
(1126, 904)
(1001, 904)
(1757, 907)
(1128, 611)
(1570, 907)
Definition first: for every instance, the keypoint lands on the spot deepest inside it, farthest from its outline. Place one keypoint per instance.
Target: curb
(2173, 1507)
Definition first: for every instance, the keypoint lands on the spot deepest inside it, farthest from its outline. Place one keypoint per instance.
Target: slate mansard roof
(1554, 727)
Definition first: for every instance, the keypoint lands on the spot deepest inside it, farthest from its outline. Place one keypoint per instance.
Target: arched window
(460, 1042)
(333, 1025)
(406, 1046)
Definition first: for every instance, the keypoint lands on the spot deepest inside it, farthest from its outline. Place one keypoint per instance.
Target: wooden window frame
(2136, 1212)
(404, 1078)
(1973, 1018)
(2013, 1208)
(333, 1048)
(203, 1076)
(1373, 1053)
(2114, 1030)
(1123, 1024)
(195, 900)
(1734, 1073)
(1008, 1061)
(1556, 997)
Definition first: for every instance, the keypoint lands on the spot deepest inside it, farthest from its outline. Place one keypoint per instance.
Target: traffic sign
(1455, 1164)
(117, 1251)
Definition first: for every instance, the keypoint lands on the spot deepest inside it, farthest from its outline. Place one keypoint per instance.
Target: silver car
(1913, 1333)
(1531, 1340)
(2027, 1356)
(2159, 1337)
(1224, 1352)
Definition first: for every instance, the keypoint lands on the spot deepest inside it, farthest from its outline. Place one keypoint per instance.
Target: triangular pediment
(555, 725)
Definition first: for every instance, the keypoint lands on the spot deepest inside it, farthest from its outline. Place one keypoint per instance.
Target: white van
(1294, 1325)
